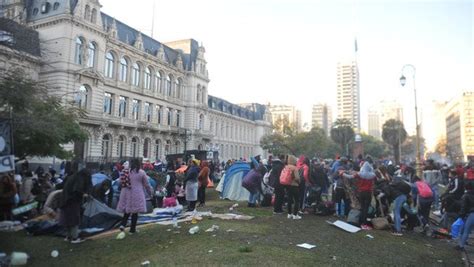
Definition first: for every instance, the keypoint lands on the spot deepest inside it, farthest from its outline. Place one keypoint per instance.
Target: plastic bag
(456, 228)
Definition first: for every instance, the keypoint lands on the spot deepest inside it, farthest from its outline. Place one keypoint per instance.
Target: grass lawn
(271, 239)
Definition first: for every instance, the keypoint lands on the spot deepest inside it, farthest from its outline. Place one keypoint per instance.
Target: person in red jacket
(365, 183)
(302, 165)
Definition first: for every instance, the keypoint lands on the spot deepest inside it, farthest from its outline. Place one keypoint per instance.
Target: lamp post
(403, 81)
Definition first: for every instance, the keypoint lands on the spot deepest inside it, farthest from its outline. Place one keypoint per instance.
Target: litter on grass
(213, 228)
(345, 226)
(306, 246)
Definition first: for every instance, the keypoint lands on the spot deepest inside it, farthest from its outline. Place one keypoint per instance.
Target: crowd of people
(357, 190)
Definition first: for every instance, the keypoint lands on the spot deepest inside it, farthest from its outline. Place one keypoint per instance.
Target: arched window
(136, 74)
(94, 15)
(81, 97)
(169, 114)
(79, 51)
(198, 96)
(200, 147)
(91, 55)
(176, 88)
(56, 6)
(106, 145)
(146, 148)
(177, 146)
(121, 146)
(157, 149)
(158, 81)
(123, 69)
(134, 147)
(148, 78)
(203, 97)
(168, 85)
(167, 147)
(109, 65)
(201, 122)
(122, 106)
(87, 12)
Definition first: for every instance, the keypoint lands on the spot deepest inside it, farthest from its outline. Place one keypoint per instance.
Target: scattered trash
(194, 220)
(176, 232)
(214, 235)
(168, 230)
(245, 249)
(404, 243)
(429, 245)
(230, 230)
(54, 253)
(306, 246)
(369, 236)
(18, 258)
(194, 230)
(121, 235)
(210, 251)
(145, 263)
(213, 228)
(345, 226)
(334, 258)
(440, 261)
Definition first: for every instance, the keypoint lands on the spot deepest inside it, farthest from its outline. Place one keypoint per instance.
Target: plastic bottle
(194, 230)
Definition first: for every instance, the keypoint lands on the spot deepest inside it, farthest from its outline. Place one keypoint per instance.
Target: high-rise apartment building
(374, 124)
(381, 113)
(460, 127)
(321, 116)
(287, 114)
(348, 96)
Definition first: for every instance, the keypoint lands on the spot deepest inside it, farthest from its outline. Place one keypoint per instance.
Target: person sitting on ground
(8, 191)
(467, 213)
(52, 204)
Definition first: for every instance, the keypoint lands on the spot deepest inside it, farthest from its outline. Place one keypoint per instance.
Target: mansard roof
(128, 35)
(19, 37)
(57, 7)
(225, 106)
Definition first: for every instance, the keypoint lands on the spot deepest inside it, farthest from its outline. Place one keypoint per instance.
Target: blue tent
(230, 185)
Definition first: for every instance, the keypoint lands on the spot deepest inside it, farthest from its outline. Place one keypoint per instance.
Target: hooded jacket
(275, 172)
(292, 165)
(300, 164)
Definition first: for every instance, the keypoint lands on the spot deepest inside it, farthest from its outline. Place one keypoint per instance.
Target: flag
(355, 44)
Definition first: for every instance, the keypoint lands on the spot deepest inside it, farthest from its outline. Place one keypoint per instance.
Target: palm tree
(394, 134)
(342, 133)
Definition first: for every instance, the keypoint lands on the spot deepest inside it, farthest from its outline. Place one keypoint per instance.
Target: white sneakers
(294, 217)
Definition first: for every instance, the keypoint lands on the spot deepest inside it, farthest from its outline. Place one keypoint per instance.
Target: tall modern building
(289, 114)
(460, 127)
(348, 95)
(321, 116)
(374, 124)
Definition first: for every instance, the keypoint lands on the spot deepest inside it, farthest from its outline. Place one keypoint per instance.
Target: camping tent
(230, 185)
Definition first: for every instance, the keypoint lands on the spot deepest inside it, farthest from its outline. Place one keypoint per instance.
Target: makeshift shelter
(230, 186)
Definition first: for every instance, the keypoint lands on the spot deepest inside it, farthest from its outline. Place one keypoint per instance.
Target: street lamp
(403, 81)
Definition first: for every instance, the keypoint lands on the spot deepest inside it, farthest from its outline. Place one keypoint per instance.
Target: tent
(230, 186)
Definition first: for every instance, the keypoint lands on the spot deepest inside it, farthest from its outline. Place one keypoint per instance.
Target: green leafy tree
(275, 143)
(342, 134)
(394, 134)
(41, 124)
(374, 147)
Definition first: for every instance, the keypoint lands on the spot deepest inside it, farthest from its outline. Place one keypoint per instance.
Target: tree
(374, 147)
(41, 125)
(394, 134)
(342, 134)
(441, 147)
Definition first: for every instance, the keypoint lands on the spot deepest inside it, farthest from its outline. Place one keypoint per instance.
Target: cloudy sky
(286, 51)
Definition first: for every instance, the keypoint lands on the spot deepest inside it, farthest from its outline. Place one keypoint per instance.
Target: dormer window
(45, 7)
(56, 6)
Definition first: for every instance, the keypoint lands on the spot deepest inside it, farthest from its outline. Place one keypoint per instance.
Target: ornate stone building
(143, 98)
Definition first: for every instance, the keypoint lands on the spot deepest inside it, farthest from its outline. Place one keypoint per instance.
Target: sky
(286, 51)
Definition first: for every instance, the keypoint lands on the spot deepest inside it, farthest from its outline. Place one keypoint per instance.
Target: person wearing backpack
(423, 195)
(290, 178)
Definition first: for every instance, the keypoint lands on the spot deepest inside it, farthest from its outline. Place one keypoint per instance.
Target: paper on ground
(345, 226)
(306, 245)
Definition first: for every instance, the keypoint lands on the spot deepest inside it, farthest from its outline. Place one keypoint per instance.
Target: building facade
(321, 116)
(285, 114)
(374, 124)
(460, 127)
(143, 98)
(384, 111)
(348, 95)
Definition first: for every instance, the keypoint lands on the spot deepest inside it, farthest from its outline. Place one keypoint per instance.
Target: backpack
(286, 176)
(36, 189)
(424, 189)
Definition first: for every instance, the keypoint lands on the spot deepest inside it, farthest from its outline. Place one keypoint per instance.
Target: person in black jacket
(274, 181)
(467, 213)
(397, 192)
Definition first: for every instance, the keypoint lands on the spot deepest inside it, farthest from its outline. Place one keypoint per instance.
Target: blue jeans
(397, 210)
(466, 229)
(254, 197)
(434, 188)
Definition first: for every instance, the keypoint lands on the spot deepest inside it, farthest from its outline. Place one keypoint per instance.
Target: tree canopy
(343, 134)
(41, 123)
(374, 147)
(394, 134)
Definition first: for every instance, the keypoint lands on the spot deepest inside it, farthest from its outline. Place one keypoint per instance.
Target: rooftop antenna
(153, 19)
